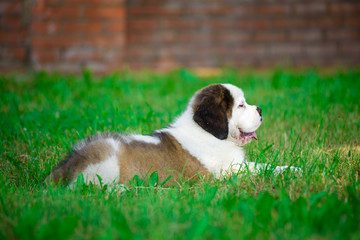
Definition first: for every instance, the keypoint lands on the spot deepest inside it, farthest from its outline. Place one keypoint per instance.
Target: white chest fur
(215, 154)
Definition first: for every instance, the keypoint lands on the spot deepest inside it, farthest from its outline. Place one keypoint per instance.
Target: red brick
(232, 37)
(99, 67)
(60, 66)
(106, 12)
(285, 49)
(60, 12)
(175, 52)
(55, 42)
(95, 2)
(113, 1)
(221, 10)
(248, 60)
(211, 51)
(197, 63)
(353, 21)
(45, 27)
(118, 40)
(45, 55)
(217, 24)
(180, 23)
(118, 26)
(19, 53)
(142, 25)
(134, 64)
(352, 48)
(50, 2)
(254, 24)
(164, 64)
(250, 50)
(11, 38)
(168, 36)
(273, 9)
(37, 11)
(11, 23)
(83, 27)
(112, 54)
(310, 8)
(193, 37)
(289, 23)
(344, 8)
(81, 53)
(326, 22)
(321, 49)
(245, 10)
(15, 53)
(152, 10)
(84, 2)
(306, 35)
(138, 38)
(269, 36)
(11, 9)
(342, 34)
(303, 61)
(137, 52)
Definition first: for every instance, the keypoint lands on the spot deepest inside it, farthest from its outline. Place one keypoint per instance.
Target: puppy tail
(62, 174)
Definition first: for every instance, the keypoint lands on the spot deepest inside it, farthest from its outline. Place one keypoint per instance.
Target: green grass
(311, 120)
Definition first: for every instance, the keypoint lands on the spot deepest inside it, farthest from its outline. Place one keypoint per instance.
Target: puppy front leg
(244, 167)
(253, 167)
(280, 169)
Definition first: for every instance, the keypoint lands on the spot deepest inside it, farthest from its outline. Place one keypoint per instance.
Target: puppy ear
(212, 108)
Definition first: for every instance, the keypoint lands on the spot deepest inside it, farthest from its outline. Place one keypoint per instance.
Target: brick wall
(68, 35)
(243, 33)
(14, 28)
(107, 34)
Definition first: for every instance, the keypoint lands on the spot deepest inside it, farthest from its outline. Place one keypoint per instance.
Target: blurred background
(104, 35)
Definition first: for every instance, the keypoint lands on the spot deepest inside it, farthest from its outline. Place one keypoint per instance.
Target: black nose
(259, 110)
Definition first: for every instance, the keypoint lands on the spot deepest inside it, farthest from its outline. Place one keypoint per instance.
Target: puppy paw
(280, 169)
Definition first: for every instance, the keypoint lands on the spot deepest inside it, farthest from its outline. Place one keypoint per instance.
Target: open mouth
(244, 135)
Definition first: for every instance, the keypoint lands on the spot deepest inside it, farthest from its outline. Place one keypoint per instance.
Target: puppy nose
(259, 110)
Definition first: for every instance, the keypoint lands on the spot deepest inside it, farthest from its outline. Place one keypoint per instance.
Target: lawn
(311, 120)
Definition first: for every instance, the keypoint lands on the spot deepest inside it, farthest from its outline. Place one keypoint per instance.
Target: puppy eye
(241, 105)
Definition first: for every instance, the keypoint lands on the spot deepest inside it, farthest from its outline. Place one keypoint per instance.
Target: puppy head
(221, 110)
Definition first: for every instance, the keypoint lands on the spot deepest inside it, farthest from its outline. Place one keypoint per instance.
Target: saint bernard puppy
(205, 140)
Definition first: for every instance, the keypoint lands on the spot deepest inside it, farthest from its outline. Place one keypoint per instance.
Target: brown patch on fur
(92, 153)
(212, 109)
(166, 158)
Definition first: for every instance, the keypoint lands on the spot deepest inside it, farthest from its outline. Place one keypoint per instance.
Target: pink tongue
(254, 135)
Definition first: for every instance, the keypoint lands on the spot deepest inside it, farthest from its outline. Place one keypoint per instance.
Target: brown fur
(92, 153)
(166, 158)
(212, 109)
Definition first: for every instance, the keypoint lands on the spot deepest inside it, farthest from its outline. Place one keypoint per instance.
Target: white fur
(114, 144)
(245, 118)
(215, 154)
(145, 139)
(108, 170)
(80, 145)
